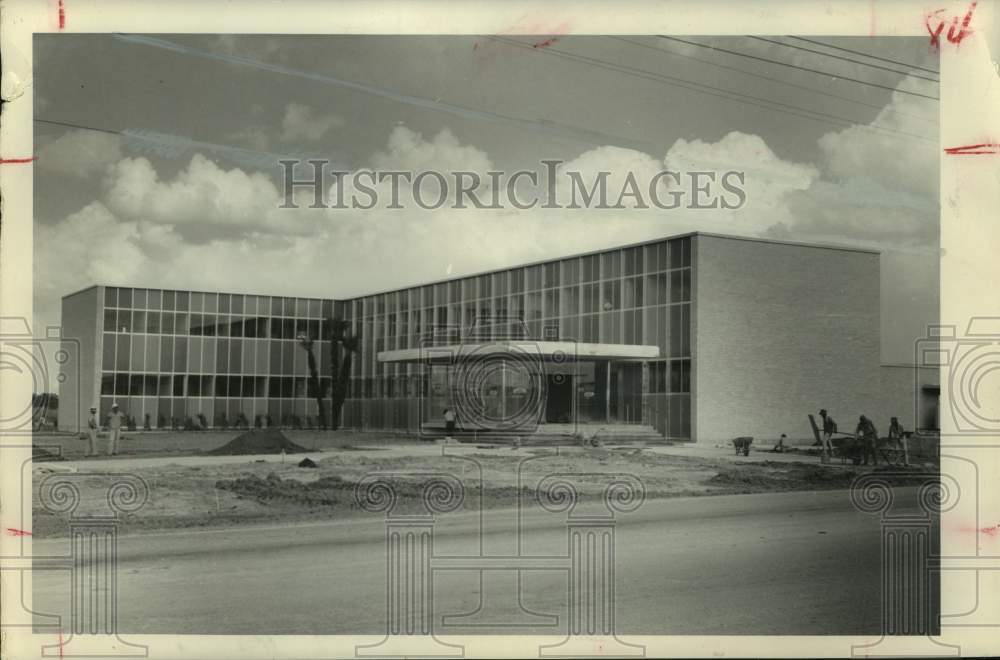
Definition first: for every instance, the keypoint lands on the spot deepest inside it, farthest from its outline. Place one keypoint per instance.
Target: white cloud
(302, 122)
(79, 153)
(407, 149)
(903, 154)
(210, 227)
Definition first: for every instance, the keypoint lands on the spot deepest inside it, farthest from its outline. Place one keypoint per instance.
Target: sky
(833, 151)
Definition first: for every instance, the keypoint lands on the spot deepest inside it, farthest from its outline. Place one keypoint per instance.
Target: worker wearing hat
(115, 420)
(92, 425)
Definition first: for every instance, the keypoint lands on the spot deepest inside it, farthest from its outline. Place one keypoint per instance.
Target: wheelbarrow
(742, 445)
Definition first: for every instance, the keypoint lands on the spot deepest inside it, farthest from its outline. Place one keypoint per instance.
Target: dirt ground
(220, 493)
(183, 443)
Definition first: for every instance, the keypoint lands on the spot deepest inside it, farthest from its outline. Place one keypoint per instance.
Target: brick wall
(78, 390)
(781, 331)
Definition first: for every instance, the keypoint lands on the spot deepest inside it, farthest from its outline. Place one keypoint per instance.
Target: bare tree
(307, 343)
(340, 367)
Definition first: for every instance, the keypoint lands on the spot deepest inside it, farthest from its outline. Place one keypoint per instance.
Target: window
(611, 295)
(551, 309)
(154, 299)
(551, 275)
(652, 257)
(633, 261)
(611, 265)
(571, 271)
(153, 352)
(166, 354)
(516, 278)
(591, 298)
(123, 352)
(167, 323)
(125, 298)
(153, 322)
(183, 301)
(534, 278)
(180, 354)
(236, 304)
(139, 298)
(169, 300)
(110, 296)
(633, 292)
(222, 356)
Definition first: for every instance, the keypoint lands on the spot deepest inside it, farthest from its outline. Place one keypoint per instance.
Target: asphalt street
(785, 563)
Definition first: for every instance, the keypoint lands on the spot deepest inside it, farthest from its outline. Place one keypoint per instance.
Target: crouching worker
(868, 436)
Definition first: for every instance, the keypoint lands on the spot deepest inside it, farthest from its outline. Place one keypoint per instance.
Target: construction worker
(867, 434)
(92, 425)
(780, 447)
(115, 420)
(895, 431)
(829, 428)
(449, 423)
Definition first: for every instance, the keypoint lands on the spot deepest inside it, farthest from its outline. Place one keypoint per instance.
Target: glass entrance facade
(639, 294)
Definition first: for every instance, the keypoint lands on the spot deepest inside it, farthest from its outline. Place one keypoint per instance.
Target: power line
(581, 134)
(874, 57)
(695, 86)
(774, 80)
(80, 126)
(845, 59)
(796, 66)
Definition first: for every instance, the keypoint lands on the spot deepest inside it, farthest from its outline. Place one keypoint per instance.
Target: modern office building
(703, 337)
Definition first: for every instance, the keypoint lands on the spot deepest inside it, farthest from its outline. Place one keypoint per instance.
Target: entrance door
(559, 399)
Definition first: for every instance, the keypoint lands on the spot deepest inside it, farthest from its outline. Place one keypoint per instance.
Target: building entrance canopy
(545, 350)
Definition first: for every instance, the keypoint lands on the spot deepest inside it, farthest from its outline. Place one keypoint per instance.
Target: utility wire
(709, 89)
(874, 57)
(768, 78)
(844, 59)
(796, 66)
(80, 126)
(580, 134)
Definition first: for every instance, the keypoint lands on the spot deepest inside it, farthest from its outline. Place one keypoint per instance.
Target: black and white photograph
(588, 338)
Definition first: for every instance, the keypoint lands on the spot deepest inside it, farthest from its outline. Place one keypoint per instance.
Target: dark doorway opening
(559, 399)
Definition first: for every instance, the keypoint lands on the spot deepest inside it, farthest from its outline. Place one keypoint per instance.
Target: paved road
(787, 563)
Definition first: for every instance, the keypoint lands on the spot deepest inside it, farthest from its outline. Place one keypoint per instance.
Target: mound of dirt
(267, 441)
(39, 454)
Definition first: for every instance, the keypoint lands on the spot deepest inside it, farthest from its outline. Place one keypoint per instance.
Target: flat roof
(518, 349)
(626, 246)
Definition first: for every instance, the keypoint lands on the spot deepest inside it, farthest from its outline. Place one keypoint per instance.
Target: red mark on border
(545, 44)
(62, 15)
(988, 531)
(974, 149)
(16, 161)
(953, 36)
(17, 532)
